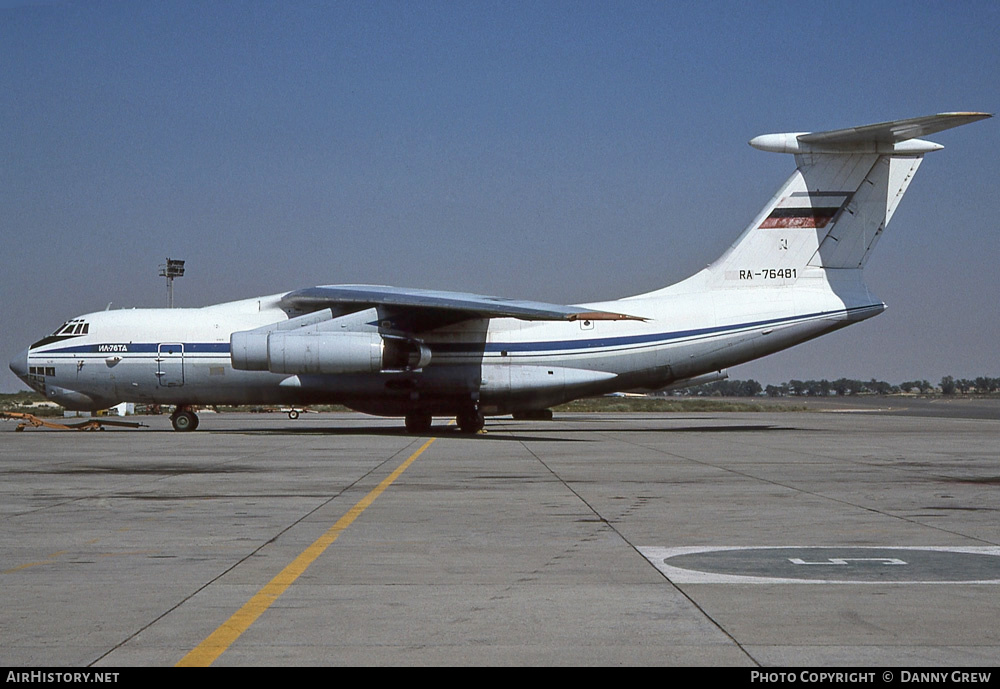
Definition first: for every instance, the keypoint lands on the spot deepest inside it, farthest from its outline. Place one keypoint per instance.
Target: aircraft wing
(431, 308)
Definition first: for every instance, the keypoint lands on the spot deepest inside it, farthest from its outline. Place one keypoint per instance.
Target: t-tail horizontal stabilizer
(833, 209)
(896, 136)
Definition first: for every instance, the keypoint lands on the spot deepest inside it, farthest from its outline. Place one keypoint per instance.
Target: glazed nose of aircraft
(19, 365)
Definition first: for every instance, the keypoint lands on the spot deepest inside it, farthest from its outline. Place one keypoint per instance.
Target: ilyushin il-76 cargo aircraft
(794, 274)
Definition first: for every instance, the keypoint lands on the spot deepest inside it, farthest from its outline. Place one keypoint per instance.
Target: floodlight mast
(172, 269)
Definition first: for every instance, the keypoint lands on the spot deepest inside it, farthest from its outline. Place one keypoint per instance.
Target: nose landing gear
(184, 419)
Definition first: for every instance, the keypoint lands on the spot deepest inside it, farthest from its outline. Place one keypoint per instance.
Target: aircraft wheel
(471, 421)
(184, 421)
(293, 414)
(418, 422)
(533, 415)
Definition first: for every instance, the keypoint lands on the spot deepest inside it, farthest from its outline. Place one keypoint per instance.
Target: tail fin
(833, 209)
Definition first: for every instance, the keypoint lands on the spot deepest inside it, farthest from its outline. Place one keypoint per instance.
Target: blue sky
(561, 151)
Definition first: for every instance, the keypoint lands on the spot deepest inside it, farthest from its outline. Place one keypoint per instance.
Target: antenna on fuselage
(172, 269)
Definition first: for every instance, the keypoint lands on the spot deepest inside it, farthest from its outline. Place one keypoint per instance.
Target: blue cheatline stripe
(142, 347)
(191, 348)
(556, 345)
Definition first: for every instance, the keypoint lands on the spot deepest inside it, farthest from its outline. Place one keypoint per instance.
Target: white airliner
(794, 274)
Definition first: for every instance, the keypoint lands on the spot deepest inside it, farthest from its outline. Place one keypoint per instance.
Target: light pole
(172, 269)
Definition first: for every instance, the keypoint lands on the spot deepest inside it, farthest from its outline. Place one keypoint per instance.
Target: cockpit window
(71, 328)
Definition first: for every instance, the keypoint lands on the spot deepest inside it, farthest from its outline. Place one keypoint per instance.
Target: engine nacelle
(305, 353)
(316, 353)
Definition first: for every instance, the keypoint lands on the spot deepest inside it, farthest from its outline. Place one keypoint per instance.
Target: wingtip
(604, 316)
(981, 115)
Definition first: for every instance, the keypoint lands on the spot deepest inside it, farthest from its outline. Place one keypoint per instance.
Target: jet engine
(311, 353)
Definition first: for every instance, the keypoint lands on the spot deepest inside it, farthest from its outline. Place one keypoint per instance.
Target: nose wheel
(183, 419)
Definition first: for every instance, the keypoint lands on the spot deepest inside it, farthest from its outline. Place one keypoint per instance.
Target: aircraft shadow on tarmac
(540, 433)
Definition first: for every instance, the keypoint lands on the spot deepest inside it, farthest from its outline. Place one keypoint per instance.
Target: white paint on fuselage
(686, 333)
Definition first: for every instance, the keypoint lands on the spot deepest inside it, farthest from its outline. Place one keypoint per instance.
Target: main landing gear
(533, 415)
(184, 419)
(469, 421)
(418, 422)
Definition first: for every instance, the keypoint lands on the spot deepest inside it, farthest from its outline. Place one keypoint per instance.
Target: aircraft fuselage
(182, 356)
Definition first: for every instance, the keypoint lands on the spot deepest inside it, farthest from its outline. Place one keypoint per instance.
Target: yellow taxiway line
(205, 653)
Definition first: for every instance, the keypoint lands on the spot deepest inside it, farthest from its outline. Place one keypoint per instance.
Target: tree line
(842, 387)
